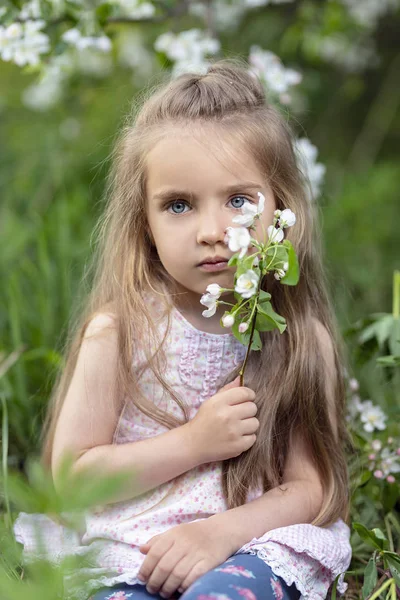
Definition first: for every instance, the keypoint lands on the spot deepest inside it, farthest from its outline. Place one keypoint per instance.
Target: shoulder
(102, 322)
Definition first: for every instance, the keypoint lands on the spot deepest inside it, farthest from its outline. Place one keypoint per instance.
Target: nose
(211, 228)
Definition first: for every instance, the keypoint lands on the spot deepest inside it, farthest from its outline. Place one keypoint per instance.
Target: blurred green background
(53, 166)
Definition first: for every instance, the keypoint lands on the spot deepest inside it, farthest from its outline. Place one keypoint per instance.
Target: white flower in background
(255, 3)
(372, 417)
(23, 43)
(250, 212)
(48, 89)
(389, 462)
(188, 49)
(134, 9)
(352, 55)
(228, 320)
(354, 407)
(269, 68)
(243, 327)
(287, 218)
(354, 385)
(211, 303)
(368, 12)
(376, 445)
(246, 284)
(30, 10)
(238, 238)
(313, 172)
(75, 38)
(94, 63)
(214, 290)
(275, 235)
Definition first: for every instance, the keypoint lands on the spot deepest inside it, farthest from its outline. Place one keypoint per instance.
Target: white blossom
(228, 320)
(269, 68)
(250, 212)
(214, 289)
(372, 417)
(313, 172)
(134, 9)
(279, 274)
(75, 38)
(211, 303)
(243, 327)
(238, 238)
(389, 462)
(352, 55)
(274, 234)
(246, 284)
(188, 49)
(376, 445)
(23, 43)
(287, 218)
(368, 12)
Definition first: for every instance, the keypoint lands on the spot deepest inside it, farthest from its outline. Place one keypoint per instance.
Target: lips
(214, 260)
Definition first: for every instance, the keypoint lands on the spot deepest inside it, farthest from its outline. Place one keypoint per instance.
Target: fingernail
(150, 590)
(141, 577)
(163, 595)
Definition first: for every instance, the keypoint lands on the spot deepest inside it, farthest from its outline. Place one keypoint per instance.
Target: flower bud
(277, 213)
(378, 474)
(228, 320)
(371, 456)
(243, 327)
(285, 266)
(390, 479)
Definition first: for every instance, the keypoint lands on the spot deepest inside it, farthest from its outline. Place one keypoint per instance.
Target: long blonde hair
(288, 375)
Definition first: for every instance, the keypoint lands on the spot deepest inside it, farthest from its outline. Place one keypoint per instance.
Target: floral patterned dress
(198, 365)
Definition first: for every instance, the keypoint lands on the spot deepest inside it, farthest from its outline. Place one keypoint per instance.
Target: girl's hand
(176, 558)
(225, 424)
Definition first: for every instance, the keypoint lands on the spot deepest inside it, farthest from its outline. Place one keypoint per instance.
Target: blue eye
(178, 207)
(238, 201)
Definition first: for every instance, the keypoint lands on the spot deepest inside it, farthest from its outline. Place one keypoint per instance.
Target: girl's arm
(90, 414)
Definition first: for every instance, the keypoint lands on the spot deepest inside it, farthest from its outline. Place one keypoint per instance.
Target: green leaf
(232, 262)
(292, 274)
(381, 330)
(264, 323)
(256, 343)
(263, 297)
(103, 12)
(394, 566)
(369, 536)
(370, 577)
(267, 310)
(394, 338)
(389, 361)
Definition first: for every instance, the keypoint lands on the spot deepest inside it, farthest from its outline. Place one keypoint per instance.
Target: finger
(197, 571)
(154, 555)
(239, 395)
(144, 548)
(176, 578)
(245, 410)
(249, 426)
(164, 568)
(231, 385)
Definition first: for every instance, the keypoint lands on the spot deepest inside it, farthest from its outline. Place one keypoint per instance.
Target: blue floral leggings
(241, 577)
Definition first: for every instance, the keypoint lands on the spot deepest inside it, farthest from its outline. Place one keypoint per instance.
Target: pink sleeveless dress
(198, 364)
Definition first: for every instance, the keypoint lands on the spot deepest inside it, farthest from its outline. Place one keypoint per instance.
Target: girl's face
(192, 196)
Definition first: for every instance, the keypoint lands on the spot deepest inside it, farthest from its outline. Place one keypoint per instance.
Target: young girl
(235, 491)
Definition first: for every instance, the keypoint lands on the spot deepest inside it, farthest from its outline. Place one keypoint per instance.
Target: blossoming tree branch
(253, 311)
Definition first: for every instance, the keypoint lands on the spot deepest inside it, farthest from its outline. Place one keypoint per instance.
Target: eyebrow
(236, 187)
